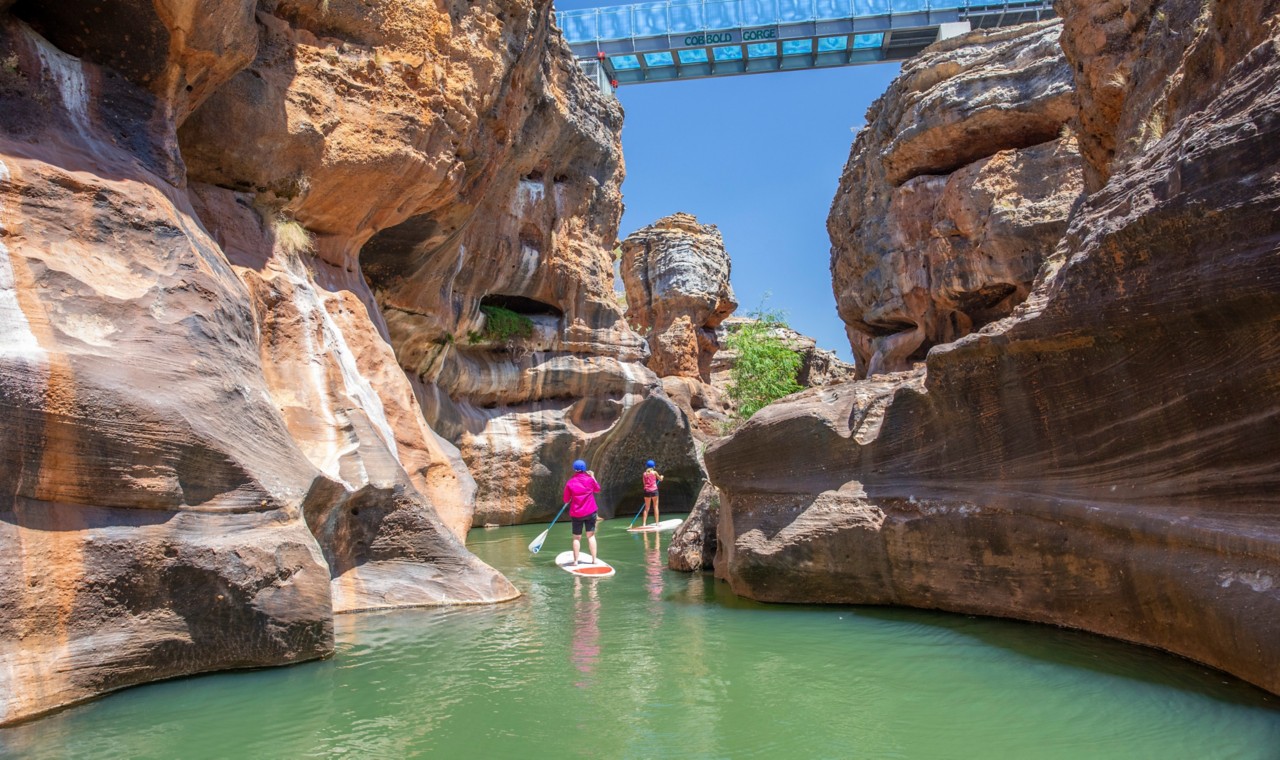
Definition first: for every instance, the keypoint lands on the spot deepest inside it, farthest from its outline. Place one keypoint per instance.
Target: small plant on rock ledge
(292, 237)
(11, 77)
(502, 326)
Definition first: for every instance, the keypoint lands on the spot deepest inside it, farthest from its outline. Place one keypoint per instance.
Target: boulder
(693, 545)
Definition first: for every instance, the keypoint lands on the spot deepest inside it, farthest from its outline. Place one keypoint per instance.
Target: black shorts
(648, 494)
(589, 522)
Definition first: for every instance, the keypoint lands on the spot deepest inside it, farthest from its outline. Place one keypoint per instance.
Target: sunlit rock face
(676, 275)
(954, 193)
(209, 445)
(1104, 457)
(676, 278)
(533, 234)
(151, 497)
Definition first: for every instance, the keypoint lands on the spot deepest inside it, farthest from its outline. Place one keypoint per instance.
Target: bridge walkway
(693, 39)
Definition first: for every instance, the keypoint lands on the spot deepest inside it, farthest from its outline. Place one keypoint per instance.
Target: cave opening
(885, 328)
(524, 305)
(398, 251)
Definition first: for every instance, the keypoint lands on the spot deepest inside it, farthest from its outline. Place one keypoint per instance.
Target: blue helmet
(651, 463)
(579, 465)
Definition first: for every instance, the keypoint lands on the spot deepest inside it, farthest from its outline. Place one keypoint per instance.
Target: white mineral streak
(502, 435)
(457, 267)
(529, 261)
(558, 192)
(1257, 580)
(68, 75)
(635, 381)
(316, 400)
(16, 338)
(334, 346)
(528, 193)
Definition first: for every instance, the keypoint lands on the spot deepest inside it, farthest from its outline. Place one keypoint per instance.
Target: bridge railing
(673, 17)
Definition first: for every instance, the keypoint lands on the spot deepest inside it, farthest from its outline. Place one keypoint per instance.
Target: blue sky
(759, 156)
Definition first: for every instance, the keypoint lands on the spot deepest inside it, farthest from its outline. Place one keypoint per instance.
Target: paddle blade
(535, 545)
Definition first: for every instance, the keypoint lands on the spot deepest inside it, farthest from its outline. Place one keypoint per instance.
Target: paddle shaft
(543, 536)
(637, 517)
(557, 517)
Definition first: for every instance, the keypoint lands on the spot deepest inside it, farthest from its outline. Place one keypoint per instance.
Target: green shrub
(502, 326)
(765, 369)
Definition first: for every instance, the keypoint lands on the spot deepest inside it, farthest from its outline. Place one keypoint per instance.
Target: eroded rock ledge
(1104, 457)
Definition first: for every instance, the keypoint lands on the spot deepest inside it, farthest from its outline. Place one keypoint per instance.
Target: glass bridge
(692, 39)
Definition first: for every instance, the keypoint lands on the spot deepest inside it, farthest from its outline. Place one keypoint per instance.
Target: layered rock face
(521, 216)
(1104, 457)
(210, 445)
(676, 275)
(954, 194)
(676, 278)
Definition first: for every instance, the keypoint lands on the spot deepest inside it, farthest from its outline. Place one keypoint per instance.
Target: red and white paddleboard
(585, 567)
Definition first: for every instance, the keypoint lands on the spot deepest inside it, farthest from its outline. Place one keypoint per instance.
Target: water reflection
(586, 635)
(653, 565)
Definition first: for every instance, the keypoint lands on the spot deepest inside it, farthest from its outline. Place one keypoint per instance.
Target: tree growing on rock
(766, 369)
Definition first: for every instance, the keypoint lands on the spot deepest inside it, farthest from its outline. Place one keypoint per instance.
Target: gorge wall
(241, 247)
(1103, 455)
(954, 194)
(535, 239)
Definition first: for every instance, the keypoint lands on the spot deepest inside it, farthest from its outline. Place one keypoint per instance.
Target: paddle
(637, 517)
(535, 545)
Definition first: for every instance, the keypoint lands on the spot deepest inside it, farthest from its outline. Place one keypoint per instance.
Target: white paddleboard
(658, 527)
(585, 568)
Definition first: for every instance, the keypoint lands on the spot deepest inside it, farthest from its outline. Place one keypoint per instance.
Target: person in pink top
(650, 481)
(580, 494)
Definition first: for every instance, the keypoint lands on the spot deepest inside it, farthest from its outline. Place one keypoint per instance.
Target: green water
(652, 664)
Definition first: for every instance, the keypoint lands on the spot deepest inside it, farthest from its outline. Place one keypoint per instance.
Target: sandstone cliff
(224, 228)
(532, 236)
(954, 194)
(676, 275)
(1105, 457)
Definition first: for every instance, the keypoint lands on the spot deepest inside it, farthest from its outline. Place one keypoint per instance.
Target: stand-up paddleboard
(585, 568)
(658, 527)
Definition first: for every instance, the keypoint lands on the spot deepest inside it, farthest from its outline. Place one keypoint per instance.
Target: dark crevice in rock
(128, 37)
(1025, 133)
(396, 251)
(884, 328)
(529, 307)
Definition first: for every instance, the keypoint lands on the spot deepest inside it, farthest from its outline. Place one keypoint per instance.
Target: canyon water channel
(657, 664)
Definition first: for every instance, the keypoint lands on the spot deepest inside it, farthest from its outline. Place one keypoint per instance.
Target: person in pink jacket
(580, 494)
